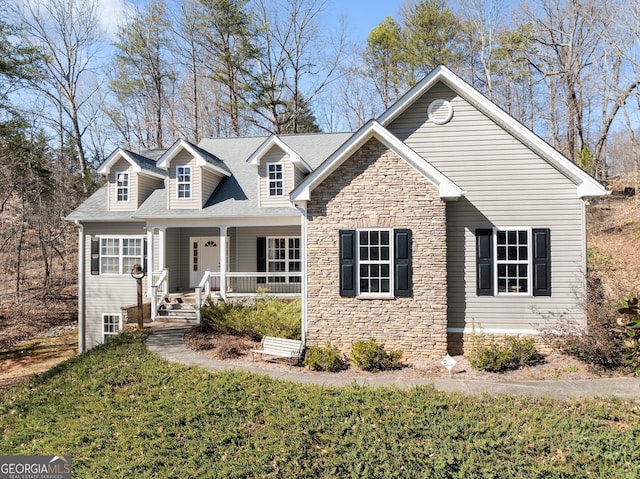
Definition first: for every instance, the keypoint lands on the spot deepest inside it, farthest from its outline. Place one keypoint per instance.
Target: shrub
(328, 358)
(256, 317)
(600, 343)
(371, 356)
(513, 354)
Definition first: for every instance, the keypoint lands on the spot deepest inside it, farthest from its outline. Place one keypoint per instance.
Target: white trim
(477, 330)
(168, 155)
(81, 281)
(203, 222)
(178, 182)
(586, 185)
(126, 189)
(104, 334)
(286, 260)
(106, 165)
(390, 262)
(528, 229)
(304, 288)
(274, 140)
(448, 190)
(120, 256)
(268, 165)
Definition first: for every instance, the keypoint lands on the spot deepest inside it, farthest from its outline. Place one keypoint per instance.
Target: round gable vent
(440, 111)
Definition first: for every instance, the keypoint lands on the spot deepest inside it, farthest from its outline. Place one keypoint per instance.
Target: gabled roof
(272, 141)
(140, 164)
(587, 185)
(203, 158)
(447, 188)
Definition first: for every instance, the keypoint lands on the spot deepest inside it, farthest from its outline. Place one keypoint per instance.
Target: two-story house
(442, 215)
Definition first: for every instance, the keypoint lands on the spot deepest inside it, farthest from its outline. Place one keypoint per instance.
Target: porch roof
(94, 208)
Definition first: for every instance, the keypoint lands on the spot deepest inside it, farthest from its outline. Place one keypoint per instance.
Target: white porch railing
(246, 285)
(159, 290)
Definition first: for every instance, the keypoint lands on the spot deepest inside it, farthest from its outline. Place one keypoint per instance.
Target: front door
(204, 256)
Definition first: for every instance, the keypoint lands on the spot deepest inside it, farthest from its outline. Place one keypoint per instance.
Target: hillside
(613, 238)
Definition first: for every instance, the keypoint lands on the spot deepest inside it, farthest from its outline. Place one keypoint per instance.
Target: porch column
(161, 238)
(149, 265)
(302, 208)
(223, 262)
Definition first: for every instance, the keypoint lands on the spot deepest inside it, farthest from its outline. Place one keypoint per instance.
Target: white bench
(284, 348)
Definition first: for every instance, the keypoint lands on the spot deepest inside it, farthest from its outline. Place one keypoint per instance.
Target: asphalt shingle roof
(235, 196)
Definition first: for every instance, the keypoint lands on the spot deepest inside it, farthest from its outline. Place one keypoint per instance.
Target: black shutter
(402, 262)
(484, 262)
(261, 255)
(347, 263)
(144, 255)
(95, 256)
(541, 262)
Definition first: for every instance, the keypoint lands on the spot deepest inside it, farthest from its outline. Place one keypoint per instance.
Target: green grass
(121, 411)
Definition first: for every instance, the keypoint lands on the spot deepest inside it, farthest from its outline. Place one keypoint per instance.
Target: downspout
(302, 208)
(81, 272)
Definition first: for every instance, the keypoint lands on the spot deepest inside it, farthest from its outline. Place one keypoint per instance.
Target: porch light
(137, 273)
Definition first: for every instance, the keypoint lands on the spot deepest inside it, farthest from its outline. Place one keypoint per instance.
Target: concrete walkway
(168, 341)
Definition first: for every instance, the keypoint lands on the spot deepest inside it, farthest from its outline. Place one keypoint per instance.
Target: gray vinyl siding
(184, 158)
(174, 259)
(106, 294)
(275, 155)
(298, 176)
(246, 241)
(146, 186)
(123, 166)
(506, 185)
(210, 181)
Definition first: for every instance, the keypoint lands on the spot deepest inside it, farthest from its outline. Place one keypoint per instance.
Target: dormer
(131, 179)
(280, 170)
(192, 175)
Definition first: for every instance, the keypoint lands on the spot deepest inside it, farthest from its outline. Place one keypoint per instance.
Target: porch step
(177, 312)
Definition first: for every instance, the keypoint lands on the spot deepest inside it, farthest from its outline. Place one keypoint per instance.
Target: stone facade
(376, 188)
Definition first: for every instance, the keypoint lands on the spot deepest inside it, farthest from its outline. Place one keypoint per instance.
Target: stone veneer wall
(376, 188)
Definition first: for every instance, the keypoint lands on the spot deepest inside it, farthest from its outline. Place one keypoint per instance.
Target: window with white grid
(111, 325)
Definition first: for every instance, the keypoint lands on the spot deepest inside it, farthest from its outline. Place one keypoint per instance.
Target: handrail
(204, 283)
(159, 290)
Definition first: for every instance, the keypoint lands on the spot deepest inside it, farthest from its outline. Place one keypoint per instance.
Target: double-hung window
(111, 324)
(374, 260)
(116, 255)
(375, 263)
(122, 186)
(183, 181)
(276, 179)
(513, 261)
(283, 256)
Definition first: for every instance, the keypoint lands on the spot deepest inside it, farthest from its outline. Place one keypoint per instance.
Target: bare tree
(68, 33)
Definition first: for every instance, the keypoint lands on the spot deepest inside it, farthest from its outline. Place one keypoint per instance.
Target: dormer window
(276, 183)
(122, 187)
(183, 176)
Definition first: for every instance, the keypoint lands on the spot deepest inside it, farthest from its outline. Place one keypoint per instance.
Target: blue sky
(361, 16)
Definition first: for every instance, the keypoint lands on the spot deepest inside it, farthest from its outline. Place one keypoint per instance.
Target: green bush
(327, 358)
(371, 356)
(256, 317)
(513, 354)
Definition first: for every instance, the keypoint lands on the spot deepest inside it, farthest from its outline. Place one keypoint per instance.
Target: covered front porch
(223, 261)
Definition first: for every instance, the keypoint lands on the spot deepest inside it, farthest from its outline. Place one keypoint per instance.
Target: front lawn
(121, 411)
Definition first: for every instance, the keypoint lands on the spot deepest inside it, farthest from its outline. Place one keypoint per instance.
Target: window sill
(375, 296)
